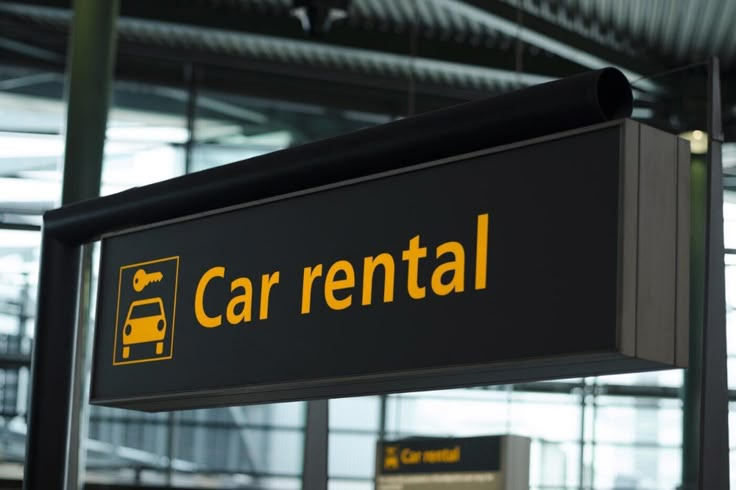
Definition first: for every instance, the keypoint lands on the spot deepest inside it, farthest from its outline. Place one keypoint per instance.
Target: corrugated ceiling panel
(688, 16)
(248, 46)
(668, 25)
(679, 31)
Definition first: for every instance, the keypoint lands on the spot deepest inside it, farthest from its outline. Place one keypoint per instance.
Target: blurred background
(201, 83)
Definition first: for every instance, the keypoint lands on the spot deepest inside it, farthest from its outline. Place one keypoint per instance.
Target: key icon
(141, 279)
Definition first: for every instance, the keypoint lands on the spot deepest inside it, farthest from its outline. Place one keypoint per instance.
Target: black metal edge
(713, 470)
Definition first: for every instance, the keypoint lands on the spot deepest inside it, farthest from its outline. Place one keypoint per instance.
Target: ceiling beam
(30, 50)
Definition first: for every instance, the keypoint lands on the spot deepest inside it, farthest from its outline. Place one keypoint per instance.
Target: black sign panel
(439, 455)
(447, 274)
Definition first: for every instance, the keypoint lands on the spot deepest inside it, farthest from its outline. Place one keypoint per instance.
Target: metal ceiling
(196, 40)
(386, 51)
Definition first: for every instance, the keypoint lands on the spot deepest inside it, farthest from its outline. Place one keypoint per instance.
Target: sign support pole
(49, 418)
(714, 451)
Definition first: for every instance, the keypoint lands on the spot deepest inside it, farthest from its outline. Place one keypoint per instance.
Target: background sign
(457, 463)
(440, 455)
(490, 268)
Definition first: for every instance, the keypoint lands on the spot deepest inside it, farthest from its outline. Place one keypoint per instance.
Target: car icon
(146, 322)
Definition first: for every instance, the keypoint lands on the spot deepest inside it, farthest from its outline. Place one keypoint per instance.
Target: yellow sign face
(146, 311)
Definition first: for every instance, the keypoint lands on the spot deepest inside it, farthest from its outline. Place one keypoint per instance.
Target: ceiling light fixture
(698, 141)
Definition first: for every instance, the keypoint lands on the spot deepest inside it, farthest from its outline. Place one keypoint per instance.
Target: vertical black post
(595, 392)
(91, 58)
(382, 414)
(581, 462)
(47, 446)
(714, 450)
(170, 447)
(382, 417)
(89, 80)
(316, 436)
(192, 74)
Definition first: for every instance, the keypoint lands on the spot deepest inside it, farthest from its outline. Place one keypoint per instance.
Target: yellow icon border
(173, 314)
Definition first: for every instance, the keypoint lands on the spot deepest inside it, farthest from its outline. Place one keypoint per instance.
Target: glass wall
(582, 435)
(30, 149)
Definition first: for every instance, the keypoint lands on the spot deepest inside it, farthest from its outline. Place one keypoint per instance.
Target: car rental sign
(561, 256)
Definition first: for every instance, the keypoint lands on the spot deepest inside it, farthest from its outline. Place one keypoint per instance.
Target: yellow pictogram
(391, 458)
(144, 330)
(141, 279)
(144, 324)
